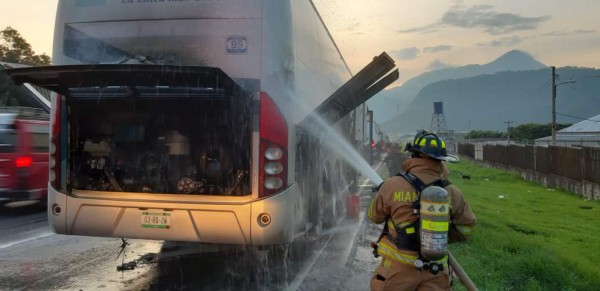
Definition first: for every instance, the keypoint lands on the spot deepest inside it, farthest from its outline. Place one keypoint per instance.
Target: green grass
(528, 237)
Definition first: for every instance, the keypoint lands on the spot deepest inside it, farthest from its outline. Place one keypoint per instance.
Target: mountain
(385, 104)
(514, 60)
(487, 101)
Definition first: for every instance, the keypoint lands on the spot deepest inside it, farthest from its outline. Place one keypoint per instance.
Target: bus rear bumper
(241, 223)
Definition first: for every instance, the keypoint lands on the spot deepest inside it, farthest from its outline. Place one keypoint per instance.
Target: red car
(24, 143)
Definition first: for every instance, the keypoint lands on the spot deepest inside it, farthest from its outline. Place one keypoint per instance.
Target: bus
(196, 120)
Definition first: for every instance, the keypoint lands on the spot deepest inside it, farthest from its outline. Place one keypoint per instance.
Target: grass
(528, 237)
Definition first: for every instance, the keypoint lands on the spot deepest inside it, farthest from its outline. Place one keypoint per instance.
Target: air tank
(435, 216)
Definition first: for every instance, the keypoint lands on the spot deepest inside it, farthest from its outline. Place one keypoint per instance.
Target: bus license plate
(156, 220)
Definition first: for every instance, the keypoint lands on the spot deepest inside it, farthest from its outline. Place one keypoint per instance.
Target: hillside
(487, 101)
(390, 103)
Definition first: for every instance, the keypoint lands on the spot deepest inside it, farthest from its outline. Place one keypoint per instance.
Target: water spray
(335, 141)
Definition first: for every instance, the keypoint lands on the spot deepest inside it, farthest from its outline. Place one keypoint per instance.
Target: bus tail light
(273, 147)
(55, 125)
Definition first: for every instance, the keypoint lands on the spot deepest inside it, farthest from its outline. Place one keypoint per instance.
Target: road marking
(10, 244)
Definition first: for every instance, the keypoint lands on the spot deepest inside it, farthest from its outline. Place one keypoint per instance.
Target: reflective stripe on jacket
(395, 199)
(388, 250)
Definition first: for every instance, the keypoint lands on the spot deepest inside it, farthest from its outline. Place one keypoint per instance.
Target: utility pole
(553, 105)
(370, 117)
(508, 130)
(469, 134)
(554, 85)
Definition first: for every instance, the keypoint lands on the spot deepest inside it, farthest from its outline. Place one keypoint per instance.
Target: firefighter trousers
(392, 275)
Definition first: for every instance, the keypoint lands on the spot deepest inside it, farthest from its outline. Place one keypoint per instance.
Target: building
(585, 133)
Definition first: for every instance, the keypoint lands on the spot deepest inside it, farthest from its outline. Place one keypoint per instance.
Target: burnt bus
(191, 120)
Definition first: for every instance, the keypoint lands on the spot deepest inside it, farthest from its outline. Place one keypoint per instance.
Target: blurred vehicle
(24, 143)
(24, 140)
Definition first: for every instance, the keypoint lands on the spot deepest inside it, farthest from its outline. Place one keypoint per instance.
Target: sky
(420, 35)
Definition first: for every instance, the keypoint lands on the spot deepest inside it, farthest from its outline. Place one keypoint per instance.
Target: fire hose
(460, 273)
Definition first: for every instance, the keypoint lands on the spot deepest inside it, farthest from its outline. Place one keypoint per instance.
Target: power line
(534, 95)
(574, 77)
(540, 88)
(578, 117)
(584, 93)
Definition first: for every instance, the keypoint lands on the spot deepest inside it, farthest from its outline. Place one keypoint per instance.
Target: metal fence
(574, 163)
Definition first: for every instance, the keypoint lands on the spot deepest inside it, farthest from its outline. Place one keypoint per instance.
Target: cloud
(423, 29)
(352, 26)
(437, 64)
(437, 48)
(583, 31)
(556, 33)
(492, 22)
(481, 16)
(505, 41)
(408, 53)
(565, 33)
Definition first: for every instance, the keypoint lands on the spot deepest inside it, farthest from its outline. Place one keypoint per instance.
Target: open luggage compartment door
(151, 128)
(362, 86)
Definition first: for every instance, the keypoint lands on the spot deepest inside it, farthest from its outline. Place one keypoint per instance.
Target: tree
(485, 134)
(15, 49)
(531, 131)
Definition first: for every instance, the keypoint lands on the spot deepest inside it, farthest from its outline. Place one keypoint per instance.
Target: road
(33, 258)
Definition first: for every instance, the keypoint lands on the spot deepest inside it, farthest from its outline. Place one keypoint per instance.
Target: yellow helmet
(430, 144)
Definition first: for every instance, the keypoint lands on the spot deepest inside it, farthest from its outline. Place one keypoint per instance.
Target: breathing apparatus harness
(408, 236)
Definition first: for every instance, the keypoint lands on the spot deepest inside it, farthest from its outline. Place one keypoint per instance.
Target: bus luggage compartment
(151, 128)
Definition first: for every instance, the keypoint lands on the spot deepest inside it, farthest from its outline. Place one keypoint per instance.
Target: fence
(574, 169)
(591, 141)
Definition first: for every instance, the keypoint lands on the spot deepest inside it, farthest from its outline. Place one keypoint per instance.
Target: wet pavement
(347, 262)
(33, 258)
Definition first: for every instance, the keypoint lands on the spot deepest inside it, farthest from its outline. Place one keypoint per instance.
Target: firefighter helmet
(430, 144)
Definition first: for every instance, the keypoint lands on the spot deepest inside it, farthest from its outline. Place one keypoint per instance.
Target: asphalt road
(34, 258)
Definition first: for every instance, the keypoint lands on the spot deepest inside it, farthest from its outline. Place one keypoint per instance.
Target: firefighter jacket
(393, 204)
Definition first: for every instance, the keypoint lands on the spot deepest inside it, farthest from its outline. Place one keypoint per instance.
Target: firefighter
(399, 245)
(394, 159)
